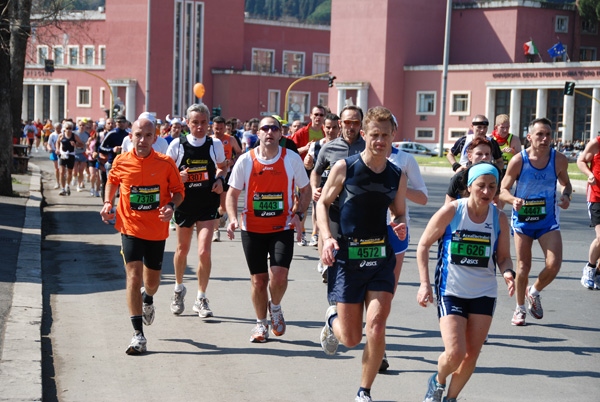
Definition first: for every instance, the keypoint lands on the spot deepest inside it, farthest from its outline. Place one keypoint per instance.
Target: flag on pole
(529, 48)
(557, 50)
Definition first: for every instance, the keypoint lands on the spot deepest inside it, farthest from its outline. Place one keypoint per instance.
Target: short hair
(332, 117)
(501, 118)
(355, 108)
(255, 120)
(197, 107)
(218, 119)
(480, 117)
(477, 142)
(68, 123)
(378, 113)
(319, 107)
(269, 117)
(542, 120)
(57, 125)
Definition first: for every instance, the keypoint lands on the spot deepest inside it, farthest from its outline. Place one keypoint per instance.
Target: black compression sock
(136, 321)
(147, 298)
(367, 391)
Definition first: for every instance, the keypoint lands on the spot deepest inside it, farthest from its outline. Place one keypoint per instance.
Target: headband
(480, 169)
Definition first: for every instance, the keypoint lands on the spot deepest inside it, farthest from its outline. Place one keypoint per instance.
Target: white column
(595, 114)
(515, 110)
(340, 99)
(54, 104)
(25, 103)
(130, 102)
(541, 103)
(38, 102)
(490, 105)
(568, 117)
(362, 98)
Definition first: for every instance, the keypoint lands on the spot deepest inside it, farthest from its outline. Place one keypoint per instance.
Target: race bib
(533, 210)
(366, 254)
(197, 177)
(144, 198)
(470, 249)
(267, 205)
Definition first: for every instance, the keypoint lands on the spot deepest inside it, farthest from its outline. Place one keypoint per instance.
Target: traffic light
(569, 88)
(49, 66)
(331, 79)
(216, 111)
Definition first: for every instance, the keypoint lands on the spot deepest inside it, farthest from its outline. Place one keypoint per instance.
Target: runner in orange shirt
(151, 188)
(269, 174)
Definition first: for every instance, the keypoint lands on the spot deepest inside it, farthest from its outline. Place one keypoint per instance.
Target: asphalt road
(87, 328)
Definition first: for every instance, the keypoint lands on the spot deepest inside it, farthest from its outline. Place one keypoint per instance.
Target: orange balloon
(199, 90)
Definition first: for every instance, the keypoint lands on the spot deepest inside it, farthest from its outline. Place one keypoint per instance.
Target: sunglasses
(272, 127)
(481, 123)
(351, 122)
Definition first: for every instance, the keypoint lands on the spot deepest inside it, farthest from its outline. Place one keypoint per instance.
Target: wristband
(455, 166)
(108, 202)
(511, 272)
(222, 179)
(172, 205)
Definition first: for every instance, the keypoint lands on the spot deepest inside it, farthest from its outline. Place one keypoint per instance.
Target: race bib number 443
(471, 249)
(144, 198)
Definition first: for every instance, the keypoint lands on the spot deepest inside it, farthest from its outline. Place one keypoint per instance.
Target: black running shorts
(150, 252)
(277, 246)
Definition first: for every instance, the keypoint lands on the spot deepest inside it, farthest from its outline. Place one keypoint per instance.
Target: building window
(461, 103)
(298, 106)
(274, 97)
(587, 54)
(58, 55)
(42, 54)
(293, 62)
(320, 63)
(102, 93)
(84, 97)
(562, 24)
(456, 133)
(502, 101)
(424, 133)
(426, 103)
(323, 99)
(102, 60)
(589, 27)
(88, 55)
(263, 60)
(73, 55)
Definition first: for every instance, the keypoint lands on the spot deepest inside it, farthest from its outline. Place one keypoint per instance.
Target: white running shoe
(362, 397)
(260, 333)
(216, 236)
(148, 311)
(314, 240)
(534, 305)
(518, 317)
(137, 345)
(588, 276)
(329, 343)
(202, 308)
(177, 305)
(277, 321)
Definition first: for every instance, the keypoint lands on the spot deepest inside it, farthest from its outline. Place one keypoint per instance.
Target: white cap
(175, 121)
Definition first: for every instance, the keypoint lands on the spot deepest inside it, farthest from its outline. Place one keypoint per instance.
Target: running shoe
(172, 225)
(260, 333)
(314, 240)
(216, 236)
(79, 189)
(137, 345)
(329, 342)
(202, 308)
(68, 190)
(148, 311)
(324, 274)
(277, 321)
(177, 305)
(223, 220)
(302, 242)
(449, 399)
(435, 390)
(597, 281)
(63, 192)
(518, 317)
(362, 397)
(98, 193)
(534, 305)
(384, 363)
(588, 276)
(92, 193)
(320, 267)
(56, 186)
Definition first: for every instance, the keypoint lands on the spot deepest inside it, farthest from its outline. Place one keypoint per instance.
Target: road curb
(21, 366)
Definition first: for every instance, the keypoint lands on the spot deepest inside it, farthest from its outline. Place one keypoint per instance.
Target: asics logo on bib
(468, 261)
(364, 263)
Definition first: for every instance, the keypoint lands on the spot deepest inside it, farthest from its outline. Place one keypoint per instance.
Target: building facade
(402, 48)
(150, 54)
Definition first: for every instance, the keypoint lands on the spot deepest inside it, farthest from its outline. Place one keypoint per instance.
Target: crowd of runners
(191, 174)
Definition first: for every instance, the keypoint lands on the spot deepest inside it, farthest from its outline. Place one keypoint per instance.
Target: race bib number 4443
(267, 205)
(471, 249)
(144, 198)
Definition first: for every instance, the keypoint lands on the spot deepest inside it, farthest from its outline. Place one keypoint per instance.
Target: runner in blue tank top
(362, 258)
(535, 213)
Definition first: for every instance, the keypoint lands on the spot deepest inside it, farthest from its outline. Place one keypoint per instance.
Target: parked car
(414, 148)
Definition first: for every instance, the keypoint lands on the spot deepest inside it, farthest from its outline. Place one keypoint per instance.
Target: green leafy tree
(322, 14)
(589, 9)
